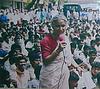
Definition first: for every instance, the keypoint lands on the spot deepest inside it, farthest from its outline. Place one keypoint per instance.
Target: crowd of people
(42, 48)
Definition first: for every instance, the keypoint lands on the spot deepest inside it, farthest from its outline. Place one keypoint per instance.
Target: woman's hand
(61, 46)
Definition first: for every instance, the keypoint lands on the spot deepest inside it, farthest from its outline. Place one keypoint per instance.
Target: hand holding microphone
(61, 42)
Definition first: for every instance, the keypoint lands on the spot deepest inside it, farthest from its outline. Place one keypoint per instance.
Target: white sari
(55, 75)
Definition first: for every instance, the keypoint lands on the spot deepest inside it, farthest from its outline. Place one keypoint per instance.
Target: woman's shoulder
(46, 39)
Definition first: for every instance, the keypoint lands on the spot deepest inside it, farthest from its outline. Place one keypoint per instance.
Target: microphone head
(62, 37)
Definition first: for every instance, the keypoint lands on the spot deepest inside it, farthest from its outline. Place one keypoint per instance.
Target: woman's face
(59, 27)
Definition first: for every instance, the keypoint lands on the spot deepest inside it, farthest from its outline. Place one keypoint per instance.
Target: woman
(55, 73)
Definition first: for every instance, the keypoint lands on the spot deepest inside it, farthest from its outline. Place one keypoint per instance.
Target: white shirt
(68, 55)
(79, 54)
(97, 59)
(86, 81)
(6, 46)
(22, 81)
(88, 40)
(29, 44)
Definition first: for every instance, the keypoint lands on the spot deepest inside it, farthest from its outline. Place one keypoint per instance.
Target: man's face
(95, 71)
(21, 65)
(18, 40)
(93, 44)
(93, 56)
(35, 63)
(98, 43)
(87, 51)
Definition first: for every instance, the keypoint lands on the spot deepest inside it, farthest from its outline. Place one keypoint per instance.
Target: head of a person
(2, 12)
(80, 44)
(11, 24)
(89, 36)
(92, 43)
(31, 36)
(95, 68)
(82, 36)
(18, 38)
(16, 49)
(5, 37)
(92, 56)
(97, 35)
(73, 80)
(59, 25)
(92, 53)
(21, 62)
(86, 49)
(73, 47)
(34, 57)
(97, 41)
(75, 40)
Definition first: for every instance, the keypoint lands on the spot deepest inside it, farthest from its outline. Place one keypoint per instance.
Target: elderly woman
(56, 56)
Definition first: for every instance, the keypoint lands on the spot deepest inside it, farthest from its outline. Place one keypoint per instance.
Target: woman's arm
(50, 56)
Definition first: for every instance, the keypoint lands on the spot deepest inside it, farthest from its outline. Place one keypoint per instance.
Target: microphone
(63, 43)
(62, 40)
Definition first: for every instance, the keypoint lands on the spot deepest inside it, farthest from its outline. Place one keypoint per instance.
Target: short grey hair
(58, 17)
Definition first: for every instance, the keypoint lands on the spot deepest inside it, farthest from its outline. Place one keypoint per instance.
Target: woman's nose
(62, 29)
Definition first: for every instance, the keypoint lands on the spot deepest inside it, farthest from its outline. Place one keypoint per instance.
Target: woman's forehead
(59, 21)
(59, 17)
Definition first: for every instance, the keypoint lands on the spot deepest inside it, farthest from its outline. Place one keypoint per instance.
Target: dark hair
(75, 39)
(78, 61)
(56, 18)
(93, 51)
(86, 47)
(97, 39)
(73, 45)
(92, 42)
(82, 36)
(97, 36)
(95, 64)
(16, 47)
(18, 36)
(19, 58)
(34, 55)
(73, 76)
(30, 34)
